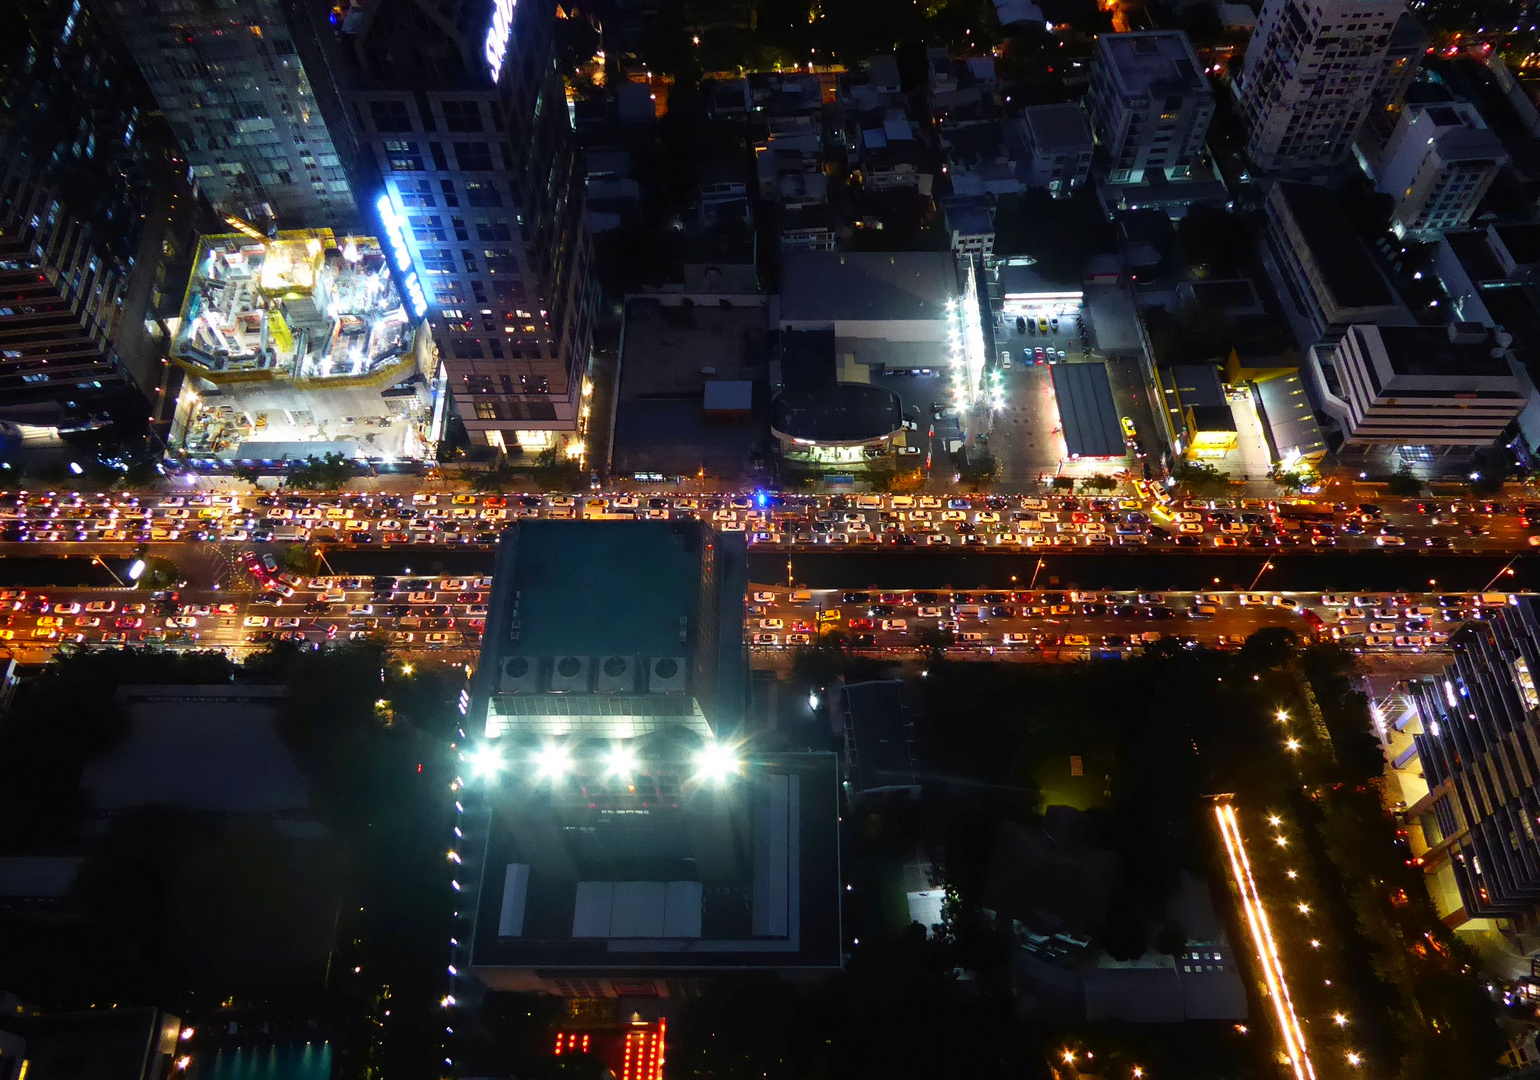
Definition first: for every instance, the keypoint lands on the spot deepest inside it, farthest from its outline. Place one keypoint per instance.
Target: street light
(1265, 568)
(136, 570)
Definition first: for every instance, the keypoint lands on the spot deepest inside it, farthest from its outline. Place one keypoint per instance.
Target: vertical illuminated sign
(496, 47)
(393, 218)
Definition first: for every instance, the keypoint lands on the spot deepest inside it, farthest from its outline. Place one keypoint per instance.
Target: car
(1334, 600)
(102, 607)
(1378, 640)
(765, 639)
(900, 626)
(1287, 604)
(256, 621)
(68, 608)
(288, 622)
(1225, 541)
(1127, 423)
(772, 624)
(1016, 639)
(1394, 541)
(1382, 628)
(1076, 641)
(1189, 527)
(50, 620)
(269, 563)
(937, 538)
(128, 623)
(45, 632)
(88, 620)
(443, 637)
(799, 639)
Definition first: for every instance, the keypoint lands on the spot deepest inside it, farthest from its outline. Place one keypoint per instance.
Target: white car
(900, 626)
(765, 639)
(256, 621)
(772, 624)
(764, 598)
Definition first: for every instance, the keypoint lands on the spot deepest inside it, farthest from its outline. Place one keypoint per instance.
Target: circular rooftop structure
(843, 414)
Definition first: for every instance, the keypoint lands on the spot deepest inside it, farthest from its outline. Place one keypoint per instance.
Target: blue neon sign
(393, 217)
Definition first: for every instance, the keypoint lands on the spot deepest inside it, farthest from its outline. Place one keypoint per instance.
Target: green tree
(327, 474)
(247, 474)
(1098, 482)
(1063, 483)
(1404, 484)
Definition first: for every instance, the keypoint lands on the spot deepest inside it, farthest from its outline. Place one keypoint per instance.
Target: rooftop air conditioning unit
(667, 675)
(569, 675)
(616, 675)
(519, 675)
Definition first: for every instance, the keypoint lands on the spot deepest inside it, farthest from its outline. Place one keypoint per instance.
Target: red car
(860, 624)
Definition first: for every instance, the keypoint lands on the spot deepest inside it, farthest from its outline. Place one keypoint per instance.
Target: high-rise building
(1150, 105)
(1446, 388)
(1440, 161)
(1310, 77)
(96, 226)
(1475, 828)
(461, 109)
(259, 127)
(618, 835)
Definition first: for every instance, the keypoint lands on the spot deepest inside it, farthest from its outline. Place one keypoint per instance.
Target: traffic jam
(1043, 621)
(1148, 517)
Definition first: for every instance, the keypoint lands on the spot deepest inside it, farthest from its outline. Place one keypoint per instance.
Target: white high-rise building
(1440, 162)
(1150, 105)
(1310, 77)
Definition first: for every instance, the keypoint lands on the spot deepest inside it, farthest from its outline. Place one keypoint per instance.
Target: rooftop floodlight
(620, 762)
(553, 762)
(716, 762)
(486, 761)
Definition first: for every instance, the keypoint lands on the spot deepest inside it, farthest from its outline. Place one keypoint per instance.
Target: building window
(390, 116)
(483, 193)
(462, 115)
(474, 156)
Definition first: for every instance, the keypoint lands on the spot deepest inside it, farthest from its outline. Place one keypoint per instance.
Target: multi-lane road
(923, 541)
(1145, 519)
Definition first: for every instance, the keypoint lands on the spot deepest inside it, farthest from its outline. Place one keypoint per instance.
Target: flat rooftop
(663, 872)
(614, 627)
(1344, 263)
(1427, 352)
(854, 286)
(1084, 396)
(1152, 64)
(1058, 128)
(669, 353)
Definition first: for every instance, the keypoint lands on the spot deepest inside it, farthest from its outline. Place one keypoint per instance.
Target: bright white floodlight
(486, 762)
(553, 762)
(620, 762)
(716, 762)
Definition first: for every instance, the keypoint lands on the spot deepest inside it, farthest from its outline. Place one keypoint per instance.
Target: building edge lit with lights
(466, 150)
(618, 835)
(1478, 826)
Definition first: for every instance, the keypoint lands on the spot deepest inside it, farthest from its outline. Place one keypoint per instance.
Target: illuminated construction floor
(236, 421)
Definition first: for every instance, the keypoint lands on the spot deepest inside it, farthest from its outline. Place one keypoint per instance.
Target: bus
(1304, 510)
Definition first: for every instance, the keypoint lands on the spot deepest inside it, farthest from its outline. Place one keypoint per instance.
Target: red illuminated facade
(633, 1052)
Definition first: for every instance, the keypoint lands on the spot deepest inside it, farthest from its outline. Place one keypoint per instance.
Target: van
(869, 502)
(901, 502)
(1203, 611)
(291, 536)
(1492, 599)
(971, 639)
(802, 596)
